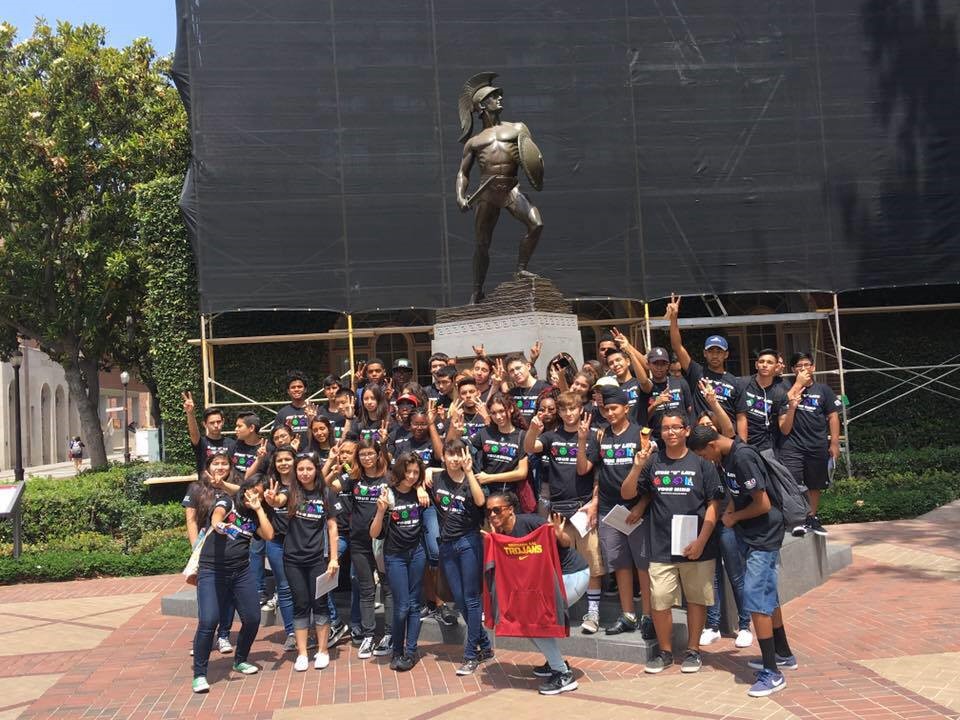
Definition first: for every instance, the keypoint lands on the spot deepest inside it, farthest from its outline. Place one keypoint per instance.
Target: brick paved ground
(881, 639)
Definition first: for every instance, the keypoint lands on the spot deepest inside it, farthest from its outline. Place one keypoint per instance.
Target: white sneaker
(709, 636)
(302, 663)
(744, 639)
(224, 646)
(321, 660)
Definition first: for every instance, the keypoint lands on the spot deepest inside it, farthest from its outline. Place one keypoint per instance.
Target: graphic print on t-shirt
(236, 525)
(676, 483)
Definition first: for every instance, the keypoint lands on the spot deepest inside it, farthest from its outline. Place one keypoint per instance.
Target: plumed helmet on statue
(475, 90)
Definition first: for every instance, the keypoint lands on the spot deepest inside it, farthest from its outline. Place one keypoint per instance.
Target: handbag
(192, 567)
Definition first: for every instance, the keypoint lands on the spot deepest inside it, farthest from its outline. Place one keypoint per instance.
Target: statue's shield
(531, 160)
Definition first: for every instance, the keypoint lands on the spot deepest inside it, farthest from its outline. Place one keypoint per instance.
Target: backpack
(785, 493)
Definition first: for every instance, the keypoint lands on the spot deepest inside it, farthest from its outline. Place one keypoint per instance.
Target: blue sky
(124, 20)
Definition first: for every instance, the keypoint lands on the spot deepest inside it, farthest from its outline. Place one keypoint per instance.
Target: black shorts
(810, 469)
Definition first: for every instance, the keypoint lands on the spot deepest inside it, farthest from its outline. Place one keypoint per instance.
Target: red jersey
(523, 595)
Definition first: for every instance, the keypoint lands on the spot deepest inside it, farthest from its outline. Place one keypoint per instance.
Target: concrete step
(806, 563)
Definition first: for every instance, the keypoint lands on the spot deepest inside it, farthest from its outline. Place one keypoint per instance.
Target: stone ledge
(521, 295)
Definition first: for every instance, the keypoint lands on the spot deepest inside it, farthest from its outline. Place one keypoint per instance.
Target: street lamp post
(16, 360)
(125, 380)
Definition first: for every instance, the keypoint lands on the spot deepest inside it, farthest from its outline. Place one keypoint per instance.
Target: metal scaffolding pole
(843, 386)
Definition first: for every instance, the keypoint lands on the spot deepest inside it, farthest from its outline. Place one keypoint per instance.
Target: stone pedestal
(511, 319)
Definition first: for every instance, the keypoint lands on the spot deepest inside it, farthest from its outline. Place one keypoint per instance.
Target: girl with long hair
(400, 515)
(312, 509)
(280, 476)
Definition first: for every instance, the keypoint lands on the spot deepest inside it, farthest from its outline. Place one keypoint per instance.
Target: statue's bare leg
(520, 207)
(485, 221)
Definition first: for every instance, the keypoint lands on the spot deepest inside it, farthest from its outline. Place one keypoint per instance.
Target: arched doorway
(61, 428)
(46, 422)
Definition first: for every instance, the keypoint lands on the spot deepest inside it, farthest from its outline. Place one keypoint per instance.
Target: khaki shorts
(589, 547)
(694, 578)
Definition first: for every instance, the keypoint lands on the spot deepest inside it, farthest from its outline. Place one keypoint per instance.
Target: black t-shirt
(307, 524)
(404, 523)
(526, 398)
(560, 453)
(208, 447)
(680, 399)
(613, 457)
(191, 500)
(243, 456)
(570, 560)
(472, 424)
(744, 473)
(402, 441)
(684, 486)
(345, 496)
(371, 430)
(725, 385)
(279, 516)
(810, 431)
(632, 388)
(337, 420)
(230, 551)
(296, 420)
(498, 453)
(364, 494)
(459, 515)
(762, 409)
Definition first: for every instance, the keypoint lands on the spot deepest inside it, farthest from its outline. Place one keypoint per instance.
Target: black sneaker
(647, 631)
(356, 636)
(817, 528)
(622, 625)
(469, 667)
(559, 683)
(658, 663)
(406, 663)
(484, 654)
(692, 662)
(802, 529)
(546, 671)
(337, 633)
(447, 615)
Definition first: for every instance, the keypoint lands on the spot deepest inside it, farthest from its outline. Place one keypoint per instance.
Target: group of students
(406, 479)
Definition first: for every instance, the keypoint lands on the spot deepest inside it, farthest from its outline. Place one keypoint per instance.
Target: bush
(95, 502)
(888, 497)
(872, 464)
(54, 565)
(153, 539)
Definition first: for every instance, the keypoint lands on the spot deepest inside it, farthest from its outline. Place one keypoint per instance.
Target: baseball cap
(410, 398)
(717, 341)
(402, 363)
(615, 396)
(606, 381)
(658, 354)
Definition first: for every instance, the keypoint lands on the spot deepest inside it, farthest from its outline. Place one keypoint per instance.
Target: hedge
(892, 496)
(51, 565)
(96, 502)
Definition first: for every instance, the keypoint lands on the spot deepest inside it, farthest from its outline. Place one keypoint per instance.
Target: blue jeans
(216, 589)
(733, 565)
(761, 571)
(284, 597)
(405, 575)
(257, 553)
(331, 605)
(575, 585)
(462, 563)
(431, 535)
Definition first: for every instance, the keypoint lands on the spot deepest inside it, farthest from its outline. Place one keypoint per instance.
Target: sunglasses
(496, 510)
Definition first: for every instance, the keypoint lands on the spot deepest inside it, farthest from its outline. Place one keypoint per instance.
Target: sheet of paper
(683, 531)
(617, 518)
(326, 584)
(580, 522)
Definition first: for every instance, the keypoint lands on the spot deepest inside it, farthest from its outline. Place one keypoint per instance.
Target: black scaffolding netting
(691, 146)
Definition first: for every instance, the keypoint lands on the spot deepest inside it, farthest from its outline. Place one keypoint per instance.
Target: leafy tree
(81, 124)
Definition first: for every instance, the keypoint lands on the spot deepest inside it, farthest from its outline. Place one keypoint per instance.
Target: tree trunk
(84, 383)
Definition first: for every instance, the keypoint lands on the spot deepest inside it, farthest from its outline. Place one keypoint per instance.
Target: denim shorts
(760, 575)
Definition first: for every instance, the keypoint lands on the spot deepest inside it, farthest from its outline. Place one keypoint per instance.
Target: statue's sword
(476, 193)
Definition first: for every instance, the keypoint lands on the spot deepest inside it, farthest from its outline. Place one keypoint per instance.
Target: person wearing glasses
(502, 513)
(810, 426)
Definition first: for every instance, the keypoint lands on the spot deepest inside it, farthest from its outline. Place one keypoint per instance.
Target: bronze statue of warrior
(500, 149)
